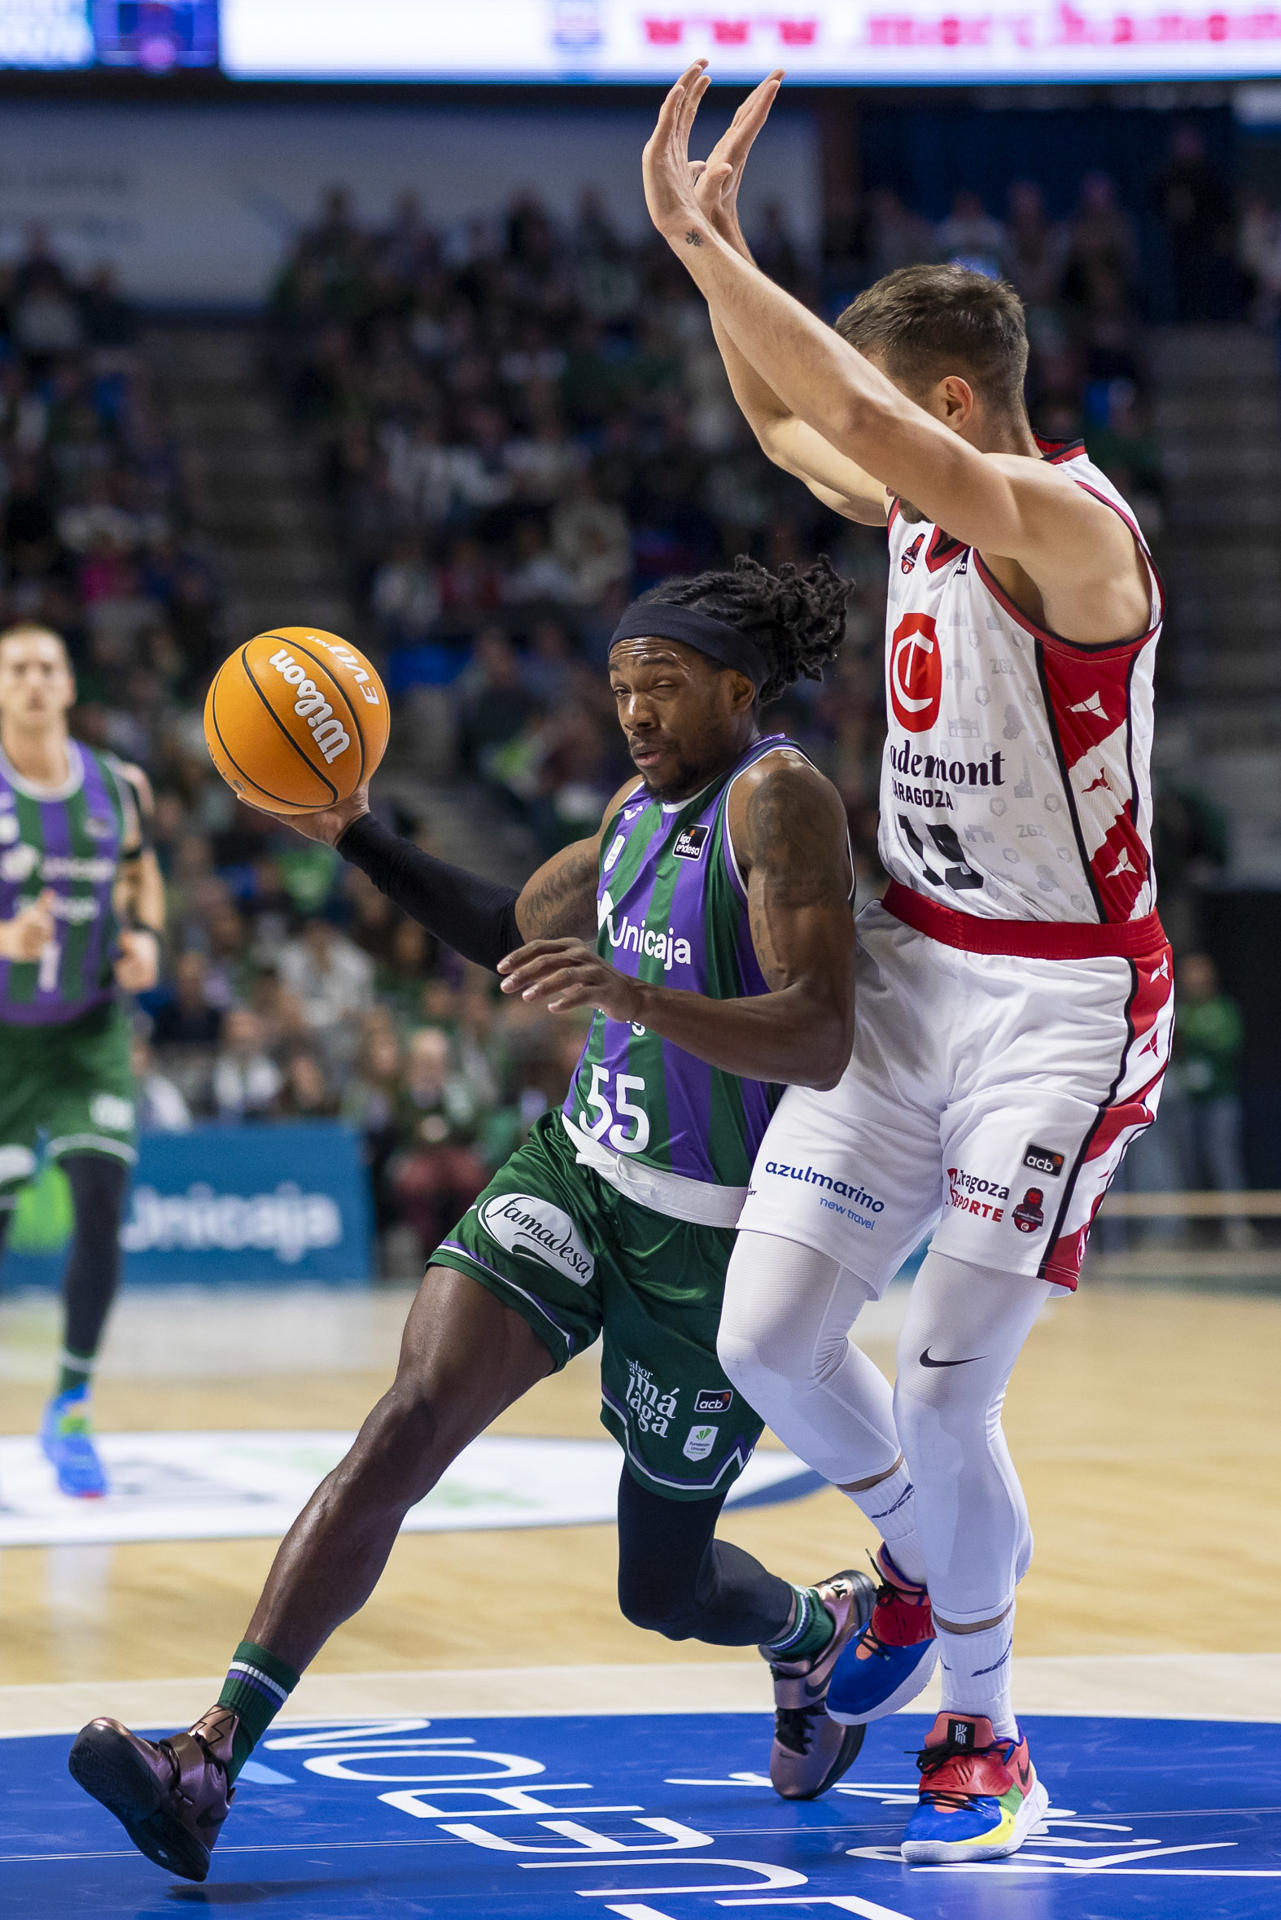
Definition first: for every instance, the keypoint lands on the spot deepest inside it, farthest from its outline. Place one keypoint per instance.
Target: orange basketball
(295, 720)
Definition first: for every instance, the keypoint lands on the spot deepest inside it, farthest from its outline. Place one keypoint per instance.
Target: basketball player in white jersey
(1014, 995)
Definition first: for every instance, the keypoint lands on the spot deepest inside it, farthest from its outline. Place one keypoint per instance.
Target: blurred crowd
(93, 532)
(521, 424)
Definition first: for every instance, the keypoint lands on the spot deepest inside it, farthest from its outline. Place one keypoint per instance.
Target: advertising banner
(247, 1204)
(855, 41)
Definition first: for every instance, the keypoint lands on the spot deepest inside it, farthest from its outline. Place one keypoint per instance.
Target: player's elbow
(832, 1043)
(857, 426)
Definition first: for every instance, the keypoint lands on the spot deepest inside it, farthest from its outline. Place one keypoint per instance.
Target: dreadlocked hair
(796, 619)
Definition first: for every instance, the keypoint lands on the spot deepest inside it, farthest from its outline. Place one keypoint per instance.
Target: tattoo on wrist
(693, 238)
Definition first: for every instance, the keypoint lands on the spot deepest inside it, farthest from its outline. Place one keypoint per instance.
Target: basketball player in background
(81, 915)
(1014, 993)
(708, 924)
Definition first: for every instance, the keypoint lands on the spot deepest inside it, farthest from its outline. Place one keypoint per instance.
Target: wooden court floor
(1146, 1424)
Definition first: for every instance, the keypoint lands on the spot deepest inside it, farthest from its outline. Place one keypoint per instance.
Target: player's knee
(740, 1358)
(98, 1183)
(658, 1609)
(759, 1350)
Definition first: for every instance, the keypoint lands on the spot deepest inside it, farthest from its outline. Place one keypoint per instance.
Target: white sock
(891, 1507)
(976, 1673)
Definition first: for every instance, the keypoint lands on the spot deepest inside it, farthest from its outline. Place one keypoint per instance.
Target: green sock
(808, 1631)
(256, 1688)
(76, 1371)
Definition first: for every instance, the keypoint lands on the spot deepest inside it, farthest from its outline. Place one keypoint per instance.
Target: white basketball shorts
(989, 1097)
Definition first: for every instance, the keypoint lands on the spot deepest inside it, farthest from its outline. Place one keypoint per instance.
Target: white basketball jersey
(1015, 782)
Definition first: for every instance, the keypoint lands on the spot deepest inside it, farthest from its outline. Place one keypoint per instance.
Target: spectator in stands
(896, 236)
(187, 1015)
(305, 1093)
(162, 1106)
(971, 237)
(1034, 253)
(1259, 255)
(1193, 204)
(333, 980)
(1208, 1040)
(371, 1104)
(1100, 235)
(246, 1081)
(438, 1170)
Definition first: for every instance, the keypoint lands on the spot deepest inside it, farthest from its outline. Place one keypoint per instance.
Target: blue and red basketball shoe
(66, 1440)
(980, 1797)
(892, 1659)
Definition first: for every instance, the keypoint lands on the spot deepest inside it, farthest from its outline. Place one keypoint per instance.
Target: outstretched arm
(786, 440)
(788, 830)
(481, 919)
(1006, 505)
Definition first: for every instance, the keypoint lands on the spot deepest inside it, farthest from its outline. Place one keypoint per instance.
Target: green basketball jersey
(68, 842)
(671, 909)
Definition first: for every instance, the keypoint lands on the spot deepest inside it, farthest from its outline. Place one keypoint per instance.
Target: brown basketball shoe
(172, 1797)
(810, 1752)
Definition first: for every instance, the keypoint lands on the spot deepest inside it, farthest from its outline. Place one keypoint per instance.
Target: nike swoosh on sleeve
(968, 1361)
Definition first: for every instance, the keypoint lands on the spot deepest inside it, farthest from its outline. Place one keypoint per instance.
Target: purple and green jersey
(671, 909)
(69, 841)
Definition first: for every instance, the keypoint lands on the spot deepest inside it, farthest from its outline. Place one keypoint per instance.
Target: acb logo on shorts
(713, 1399)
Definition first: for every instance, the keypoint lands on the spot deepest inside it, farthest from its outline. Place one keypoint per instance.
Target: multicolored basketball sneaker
(66, 1440)
(894, 1656)
(980, 1797)
(810, 1753)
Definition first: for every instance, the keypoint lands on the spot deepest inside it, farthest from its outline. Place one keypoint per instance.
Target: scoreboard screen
(149, 36)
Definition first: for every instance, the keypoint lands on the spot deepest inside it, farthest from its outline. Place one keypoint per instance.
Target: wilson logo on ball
(311, 705)
(295, 720)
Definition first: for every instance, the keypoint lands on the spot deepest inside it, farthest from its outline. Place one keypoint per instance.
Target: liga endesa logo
(916, 672)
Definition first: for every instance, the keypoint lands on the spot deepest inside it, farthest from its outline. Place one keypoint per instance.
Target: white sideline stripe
(1158, 1686)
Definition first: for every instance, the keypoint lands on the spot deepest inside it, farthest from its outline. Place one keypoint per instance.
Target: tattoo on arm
(693, 238)
(797, 856)
(559, 901)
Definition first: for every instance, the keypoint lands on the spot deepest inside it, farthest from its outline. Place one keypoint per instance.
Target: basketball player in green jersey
(81, 911)
(708, 924)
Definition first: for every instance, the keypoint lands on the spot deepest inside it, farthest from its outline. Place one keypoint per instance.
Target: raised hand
(665, 163)
(718, 178)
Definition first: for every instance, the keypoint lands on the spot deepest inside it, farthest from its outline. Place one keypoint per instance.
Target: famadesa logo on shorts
(524, 1224)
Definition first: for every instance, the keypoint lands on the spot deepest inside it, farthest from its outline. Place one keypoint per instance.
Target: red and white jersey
(1015, 783)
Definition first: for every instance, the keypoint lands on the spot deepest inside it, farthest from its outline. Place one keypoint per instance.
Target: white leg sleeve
(965, 1328)
(784, 1342)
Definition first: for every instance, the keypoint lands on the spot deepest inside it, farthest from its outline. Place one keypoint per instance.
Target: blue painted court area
(660, 1817)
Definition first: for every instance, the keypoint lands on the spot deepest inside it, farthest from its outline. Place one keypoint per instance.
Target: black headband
(660, 620)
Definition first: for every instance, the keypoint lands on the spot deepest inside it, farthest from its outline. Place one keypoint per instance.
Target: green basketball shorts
(72, 1083)
(575, 1258)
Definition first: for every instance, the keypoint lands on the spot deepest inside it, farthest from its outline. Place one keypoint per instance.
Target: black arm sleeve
(475, 917)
